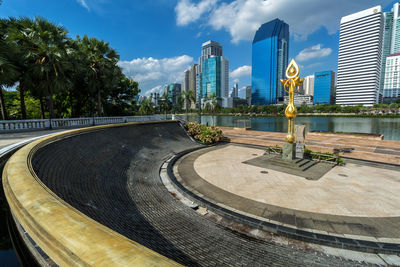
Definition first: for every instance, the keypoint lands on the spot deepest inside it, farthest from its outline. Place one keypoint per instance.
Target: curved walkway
(112, 176)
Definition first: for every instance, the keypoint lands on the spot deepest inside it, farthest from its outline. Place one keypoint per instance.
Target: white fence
(23, 125)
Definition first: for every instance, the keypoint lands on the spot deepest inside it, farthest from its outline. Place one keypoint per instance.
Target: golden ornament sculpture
(293, 80)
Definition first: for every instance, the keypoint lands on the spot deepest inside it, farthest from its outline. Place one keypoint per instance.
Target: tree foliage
(62, 76)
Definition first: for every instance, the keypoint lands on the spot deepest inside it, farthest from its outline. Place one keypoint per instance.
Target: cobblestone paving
(112, 176)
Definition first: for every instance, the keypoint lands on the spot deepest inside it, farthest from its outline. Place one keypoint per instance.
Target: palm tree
(103, 61)
(189, 99)
(8, 71)
(48, 52)
(146, 107)
(165, 103)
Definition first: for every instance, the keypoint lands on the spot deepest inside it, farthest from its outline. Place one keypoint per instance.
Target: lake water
(389, 127)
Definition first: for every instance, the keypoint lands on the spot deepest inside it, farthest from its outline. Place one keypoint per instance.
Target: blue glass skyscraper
(211, 77)
(324, 84)
(269, 61)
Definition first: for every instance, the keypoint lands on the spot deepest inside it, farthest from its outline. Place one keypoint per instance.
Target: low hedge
(206, 135)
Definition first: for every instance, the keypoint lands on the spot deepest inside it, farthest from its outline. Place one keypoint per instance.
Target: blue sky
(158, 39)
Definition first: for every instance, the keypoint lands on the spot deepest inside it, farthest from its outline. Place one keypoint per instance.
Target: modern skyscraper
(248, 95)
(198, 87)
(308, 85)
(174, 89)
(235, 90)
(224, 77)
(192, 83)
(360, 55)
(391, 87)
(214, 71)
(269, 61)
(390, 47)
(185, 81)
(324, 87)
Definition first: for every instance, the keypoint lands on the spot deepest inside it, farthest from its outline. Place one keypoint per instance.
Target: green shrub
(204, 134)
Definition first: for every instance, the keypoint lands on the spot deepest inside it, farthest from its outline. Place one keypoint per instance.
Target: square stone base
(289, 151)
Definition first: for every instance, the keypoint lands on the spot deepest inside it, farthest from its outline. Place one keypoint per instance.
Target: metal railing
(40, 124)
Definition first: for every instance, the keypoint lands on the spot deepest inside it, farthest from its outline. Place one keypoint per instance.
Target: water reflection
(389, 127)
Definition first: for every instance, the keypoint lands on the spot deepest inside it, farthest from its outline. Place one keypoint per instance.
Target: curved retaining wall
(69, 237)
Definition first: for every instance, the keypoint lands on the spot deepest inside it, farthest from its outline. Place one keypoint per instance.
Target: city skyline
(158, 40)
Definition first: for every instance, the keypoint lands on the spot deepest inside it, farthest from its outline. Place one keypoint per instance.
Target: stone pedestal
(289, 151)
(299, 151)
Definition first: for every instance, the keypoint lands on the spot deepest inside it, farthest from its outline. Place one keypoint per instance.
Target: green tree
(9, 73)
(165, 103)
(146, 107)
(189, 99)
(102, 64)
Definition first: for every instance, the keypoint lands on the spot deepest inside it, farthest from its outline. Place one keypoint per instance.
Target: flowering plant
(204, 134)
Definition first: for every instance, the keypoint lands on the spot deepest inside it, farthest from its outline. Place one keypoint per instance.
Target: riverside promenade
(362, 147)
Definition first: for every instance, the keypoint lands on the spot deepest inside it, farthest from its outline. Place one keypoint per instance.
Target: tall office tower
(308, 85)
(174, 89)
(214, 71)
(360, 55)
(269, 61)
(210, 49)
(392, 78)
(248, 95)
(224, 77)
(211, 77)
(198, 87)
(324, 87)
(192, 83)
(185, 81)
(235, 90)
(391, 46)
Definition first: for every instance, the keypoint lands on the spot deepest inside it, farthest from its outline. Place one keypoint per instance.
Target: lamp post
(292, 82)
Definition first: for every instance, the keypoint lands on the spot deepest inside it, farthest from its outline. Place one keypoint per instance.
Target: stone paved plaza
(350, 190)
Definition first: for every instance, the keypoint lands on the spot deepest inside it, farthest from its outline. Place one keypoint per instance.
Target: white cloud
(315, 51)
(187, 12)
(241, 71)
(151, 72)
(84, 4)
(241, 18)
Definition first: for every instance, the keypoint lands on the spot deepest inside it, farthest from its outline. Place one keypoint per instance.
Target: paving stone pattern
(112, 176)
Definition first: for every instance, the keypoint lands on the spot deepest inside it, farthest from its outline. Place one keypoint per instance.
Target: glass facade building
(324, 84)
(269, 61)
(211, 77)
(174, 89)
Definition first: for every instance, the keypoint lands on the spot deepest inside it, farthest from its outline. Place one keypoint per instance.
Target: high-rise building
(390, 47)
(224, 77)
(324, 87)
(307, 88)
(210, 49)
(214, 71)
(198, 87)
(235, 90)
(185, 81)
(269, 61)
(192, 83)
(391, 87)
(248, 95)
(174, 89)
(360, 55)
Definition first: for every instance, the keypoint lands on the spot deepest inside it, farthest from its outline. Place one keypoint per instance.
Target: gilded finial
(293, 80)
